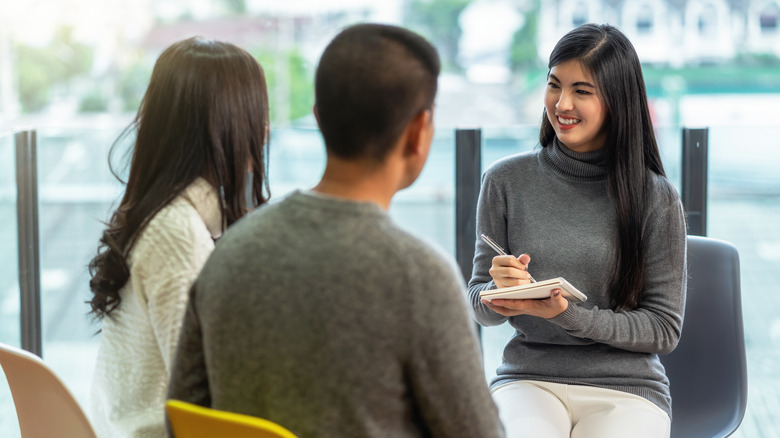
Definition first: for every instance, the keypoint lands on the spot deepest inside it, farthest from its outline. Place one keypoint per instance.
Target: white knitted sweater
(138, 340)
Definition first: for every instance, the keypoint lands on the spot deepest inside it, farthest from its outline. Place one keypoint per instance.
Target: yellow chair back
(192, 421)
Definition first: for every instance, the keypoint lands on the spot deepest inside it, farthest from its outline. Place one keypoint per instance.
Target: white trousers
(534, 409)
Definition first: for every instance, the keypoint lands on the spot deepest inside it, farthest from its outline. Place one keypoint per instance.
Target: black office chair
(707, 370)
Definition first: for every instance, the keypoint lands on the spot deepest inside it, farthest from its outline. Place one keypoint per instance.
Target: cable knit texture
(554, 205)
(138, 340)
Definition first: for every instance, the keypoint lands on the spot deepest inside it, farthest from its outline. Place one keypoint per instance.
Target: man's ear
(316, 114)
(415, 133)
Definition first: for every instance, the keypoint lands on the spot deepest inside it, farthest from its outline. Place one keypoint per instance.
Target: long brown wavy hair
(204, 114)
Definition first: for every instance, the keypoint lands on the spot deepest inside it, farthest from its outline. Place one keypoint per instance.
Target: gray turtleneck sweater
(553, 204)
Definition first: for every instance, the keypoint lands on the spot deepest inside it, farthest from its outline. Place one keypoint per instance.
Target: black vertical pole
(468, 172)
(694, 178)
(27, 228)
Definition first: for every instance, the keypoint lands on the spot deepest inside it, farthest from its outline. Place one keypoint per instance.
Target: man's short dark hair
(371, 81)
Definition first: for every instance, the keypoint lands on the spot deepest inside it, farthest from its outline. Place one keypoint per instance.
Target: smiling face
(574, 107)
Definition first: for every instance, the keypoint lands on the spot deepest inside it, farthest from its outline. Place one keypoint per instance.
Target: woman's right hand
(509, 270)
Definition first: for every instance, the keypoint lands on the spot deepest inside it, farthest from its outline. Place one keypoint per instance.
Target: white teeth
(567, 121)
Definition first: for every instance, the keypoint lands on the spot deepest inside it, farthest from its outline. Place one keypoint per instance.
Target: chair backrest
(188, 420)
(707, 371)
(44, 405)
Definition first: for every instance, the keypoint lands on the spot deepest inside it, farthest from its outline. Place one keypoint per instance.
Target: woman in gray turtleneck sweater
(592, 206)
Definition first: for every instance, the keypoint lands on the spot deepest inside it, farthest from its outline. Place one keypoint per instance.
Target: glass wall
(9, 273)
(76, 193)
(426, 208)
(9, 278)
(744, 209)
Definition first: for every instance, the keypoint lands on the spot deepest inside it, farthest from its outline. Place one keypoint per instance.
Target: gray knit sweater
(553, 204)
(322, 315)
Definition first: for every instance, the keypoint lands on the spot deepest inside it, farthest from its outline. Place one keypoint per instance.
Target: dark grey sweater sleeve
(492, 221)
(655, 325)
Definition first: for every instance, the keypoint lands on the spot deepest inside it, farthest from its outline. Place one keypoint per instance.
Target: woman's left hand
(546, 308)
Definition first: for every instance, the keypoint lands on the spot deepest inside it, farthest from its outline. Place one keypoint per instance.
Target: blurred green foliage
(524, 54)
(93, 102)
(236, 6)
(438, 21)
(42, 69)
(298, 88)
(723, 78)
(758, 60)
(133, 81)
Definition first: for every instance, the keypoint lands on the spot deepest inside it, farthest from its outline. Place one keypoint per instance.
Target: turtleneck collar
(575, 166)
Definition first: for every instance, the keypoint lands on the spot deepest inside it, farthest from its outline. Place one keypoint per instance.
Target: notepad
(538, 290)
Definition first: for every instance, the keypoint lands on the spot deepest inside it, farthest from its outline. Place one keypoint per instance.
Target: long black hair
(631, 148)
(204, 114)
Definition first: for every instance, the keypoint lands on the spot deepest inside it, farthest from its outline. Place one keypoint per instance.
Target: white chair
(45, 407)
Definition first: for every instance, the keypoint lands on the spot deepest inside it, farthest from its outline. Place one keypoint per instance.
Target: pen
(500, 250)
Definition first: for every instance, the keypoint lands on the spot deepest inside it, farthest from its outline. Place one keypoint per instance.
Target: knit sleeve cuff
(569, 319)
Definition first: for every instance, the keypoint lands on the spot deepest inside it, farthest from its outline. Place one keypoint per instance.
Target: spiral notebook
(538, 290)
